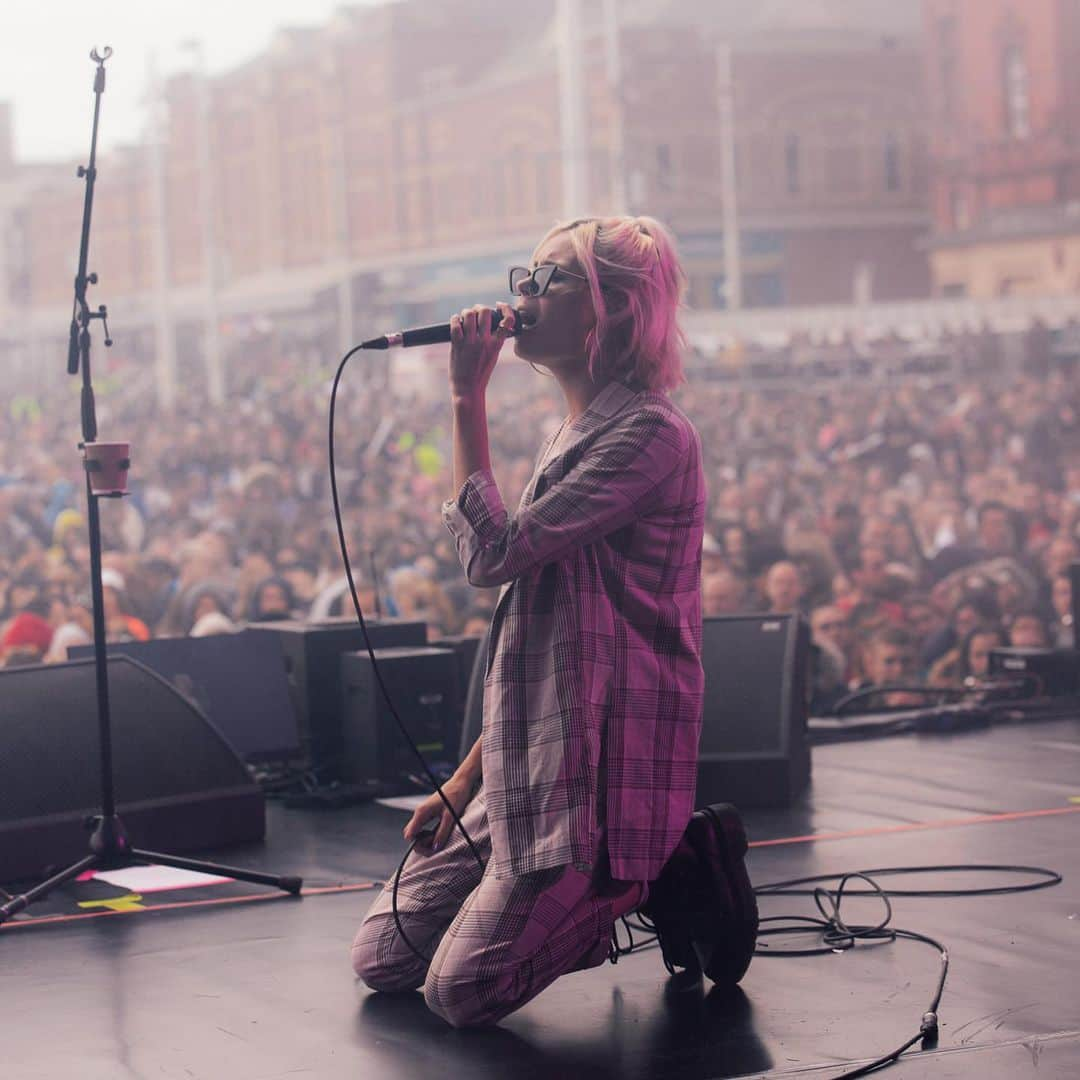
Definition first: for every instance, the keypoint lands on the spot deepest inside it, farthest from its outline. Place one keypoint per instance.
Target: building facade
(361, 174)
(1003, 80)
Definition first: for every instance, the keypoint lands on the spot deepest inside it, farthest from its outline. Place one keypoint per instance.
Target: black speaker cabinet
(1053, 672)
(754, 748)
(237, 680)
(312, 653)
(423, 685)
(466, 649)
(179, 785)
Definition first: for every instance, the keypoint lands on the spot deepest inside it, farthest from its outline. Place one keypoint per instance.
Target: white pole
(340, 180)
(729, 178)
(215, 374)
(572, 110)
(164, 331)
(620, 203)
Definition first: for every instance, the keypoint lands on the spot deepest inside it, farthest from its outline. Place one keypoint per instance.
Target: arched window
(791, 163)
(1016, 92)
(892, 162)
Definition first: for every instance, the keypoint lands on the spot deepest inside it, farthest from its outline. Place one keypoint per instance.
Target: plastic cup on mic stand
(107, 465)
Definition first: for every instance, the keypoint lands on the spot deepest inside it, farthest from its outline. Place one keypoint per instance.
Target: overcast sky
(47, 75)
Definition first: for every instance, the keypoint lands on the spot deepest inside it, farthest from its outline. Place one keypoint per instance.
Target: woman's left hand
(475, 347)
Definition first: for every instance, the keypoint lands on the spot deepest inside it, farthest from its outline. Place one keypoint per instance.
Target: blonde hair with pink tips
(637, 285)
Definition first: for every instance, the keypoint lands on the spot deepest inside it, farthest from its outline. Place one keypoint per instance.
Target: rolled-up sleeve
(618, 479)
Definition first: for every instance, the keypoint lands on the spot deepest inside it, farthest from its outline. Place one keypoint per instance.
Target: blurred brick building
(1003, 80)
(390, 163)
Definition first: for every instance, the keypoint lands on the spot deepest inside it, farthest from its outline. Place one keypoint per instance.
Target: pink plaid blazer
(594, 687)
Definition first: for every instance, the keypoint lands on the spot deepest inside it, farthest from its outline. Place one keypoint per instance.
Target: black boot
(702, 904)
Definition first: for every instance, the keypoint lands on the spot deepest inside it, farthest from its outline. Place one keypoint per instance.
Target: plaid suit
(487, 945)
(594, 686)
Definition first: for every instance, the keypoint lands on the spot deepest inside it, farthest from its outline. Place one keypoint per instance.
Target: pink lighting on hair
(637, 285)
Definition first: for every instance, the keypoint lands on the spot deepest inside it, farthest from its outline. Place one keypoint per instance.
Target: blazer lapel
(609, 402)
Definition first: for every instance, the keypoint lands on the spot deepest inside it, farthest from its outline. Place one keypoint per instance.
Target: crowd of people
(917, 525)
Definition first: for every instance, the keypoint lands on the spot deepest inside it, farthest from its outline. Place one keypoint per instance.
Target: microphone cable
(378, 674)
(838, 936)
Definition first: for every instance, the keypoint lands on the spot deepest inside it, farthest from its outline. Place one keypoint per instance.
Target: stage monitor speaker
(312, 653)
(466, 648)
(1053, 672)
(422, 683)
(237, 680)
(179, 785)
(754, 748)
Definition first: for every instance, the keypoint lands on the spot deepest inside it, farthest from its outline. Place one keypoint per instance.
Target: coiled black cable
(837, 935)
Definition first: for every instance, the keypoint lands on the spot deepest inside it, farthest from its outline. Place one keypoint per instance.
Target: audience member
(969, 660)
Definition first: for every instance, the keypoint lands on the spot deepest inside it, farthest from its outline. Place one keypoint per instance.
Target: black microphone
(437, 334)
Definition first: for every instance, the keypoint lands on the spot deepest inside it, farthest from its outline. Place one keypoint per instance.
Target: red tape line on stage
(879, 830)
(42, 920)
(947, 823)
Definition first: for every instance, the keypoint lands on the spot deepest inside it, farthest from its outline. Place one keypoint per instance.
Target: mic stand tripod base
(110, 850)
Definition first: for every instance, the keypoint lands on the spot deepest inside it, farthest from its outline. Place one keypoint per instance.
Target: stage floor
(264, 991)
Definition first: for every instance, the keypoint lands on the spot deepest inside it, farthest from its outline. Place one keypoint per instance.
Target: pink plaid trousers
(494, 943)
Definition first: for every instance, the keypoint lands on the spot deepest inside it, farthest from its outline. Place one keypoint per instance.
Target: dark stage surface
(263, 991)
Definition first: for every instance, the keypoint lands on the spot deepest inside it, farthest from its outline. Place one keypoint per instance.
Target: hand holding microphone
(476, 339)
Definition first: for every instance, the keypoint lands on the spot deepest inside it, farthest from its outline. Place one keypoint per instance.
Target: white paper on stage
(147, 879)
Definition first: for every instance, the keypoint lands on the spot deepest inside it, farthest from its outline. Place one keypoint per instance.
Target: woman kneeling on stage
(579, 791)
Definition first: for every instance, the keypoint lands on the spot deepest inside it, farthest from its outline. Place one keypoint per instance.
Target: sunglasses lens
(542, 276)
(524, 282)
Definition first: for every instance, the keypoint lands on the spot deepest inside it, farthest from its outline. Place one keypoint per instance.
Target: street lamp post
(215, 373)
(164, 331)
(729, 177)
(575, 186)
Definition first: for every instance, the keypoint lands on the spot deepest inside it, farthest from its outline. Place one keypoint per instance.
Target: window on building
(892, 163)
(1015, 286)
(663, 167)
(961, 215)
(516, 182)
(791, 163)
(947, 50)
(764, 289)
(1017, 97)
(498, 190)
(543, 184)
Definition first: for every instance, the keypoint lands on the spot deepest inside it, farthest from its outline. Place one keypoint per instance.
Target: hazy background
(47, 76)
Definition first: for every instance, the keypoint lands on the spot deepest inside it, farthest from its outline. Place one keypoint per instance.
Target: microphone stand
(109, 845)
